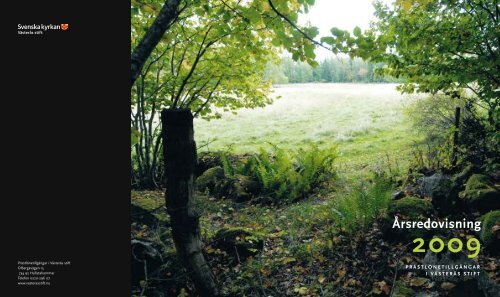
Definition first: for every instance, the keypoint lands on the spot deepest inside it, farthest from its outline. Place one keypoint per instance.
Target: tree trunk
(179, 151)
(163, 21)
(454, 157)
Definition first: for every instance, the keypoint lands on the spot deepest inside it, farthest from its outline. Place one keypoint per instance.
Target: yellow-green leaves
(134, 136)
(435, 45)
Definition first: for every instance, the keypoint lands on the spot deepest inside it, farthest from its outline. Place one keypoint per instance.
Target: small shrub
(434, 117)
(430, 157)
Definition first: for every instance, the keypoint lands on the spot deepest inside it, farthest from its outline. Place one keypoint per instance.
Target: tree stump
(179, 151)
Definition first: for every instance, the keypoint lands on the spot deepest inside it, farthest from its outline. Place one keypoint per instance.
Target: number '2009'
(455, 245)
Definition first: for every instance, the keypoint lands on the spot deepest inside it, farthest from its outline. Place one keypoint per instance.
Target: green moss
(488, 221)
(464, 174)
(209, 178)
(476, 182)
(149, 200)
(400, 290)
(207, 160)
(488, 193)
(480, 195)
(411, 207)
(408, 208)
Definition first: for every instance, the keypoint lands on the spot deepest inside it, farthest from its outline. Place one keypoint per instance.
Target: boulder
(462, 177)
(207, 160)
(411, 190)
(446, 258)
(480, 194)
(490, 231)
(411, 207)
(474, 285)
(209, 179)
(441, 189)
(407, 209)
(143, 216)
(239, 188)
(239, 241)
(466, 288)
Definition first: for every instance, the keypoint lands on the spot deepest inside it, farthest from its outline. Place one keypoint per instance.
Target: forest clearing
(367, 122)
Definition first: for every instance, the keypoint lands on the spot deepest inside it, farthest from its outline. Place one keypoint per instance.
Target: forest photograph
(315, 148)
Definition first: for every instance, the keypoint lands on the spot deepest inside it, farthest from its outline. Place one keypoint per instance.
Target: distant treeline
(329, 70)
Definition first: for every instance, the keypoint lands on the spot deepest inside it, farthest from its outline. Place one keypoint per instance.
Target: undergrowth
(363, 205)
(286, 175)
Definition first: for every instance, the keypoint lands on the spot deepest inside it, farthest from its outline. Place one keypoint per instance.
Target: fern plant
(364, 205)
(229, 169)
(288, 175)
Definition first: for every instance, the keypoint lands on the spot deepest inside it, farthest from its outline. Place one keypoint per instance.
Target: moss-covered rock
(411, 208)
(244, 188)
(490, 231)
(400, 290)
(477, 181)
(207, 160)
(147, 207)
(240, 241)
(407, 209)
(209, 179)
(143, 216)
(462, 177)
(441, 189)
(480, 194)
(238, 188)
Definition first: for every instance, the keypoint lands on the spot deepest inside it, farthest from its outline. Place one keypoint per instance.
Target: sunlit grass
(365, 121)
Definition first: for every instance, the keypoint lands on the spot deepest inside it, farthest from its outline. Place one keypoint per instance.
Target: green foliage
(214, 54)
(211, 60)
(275, 74)
(134, 136)
(229, 170)
(433, 115)
(488, 222)
(476, 140)
(365, 204)
(437, 45)
(287, 175)
(430, 156)
(411, 207)
(401, 290)
(329, 70)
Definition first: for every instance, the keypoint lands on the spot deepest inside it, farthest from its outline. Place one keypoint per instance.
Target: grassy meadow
(366, 122)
